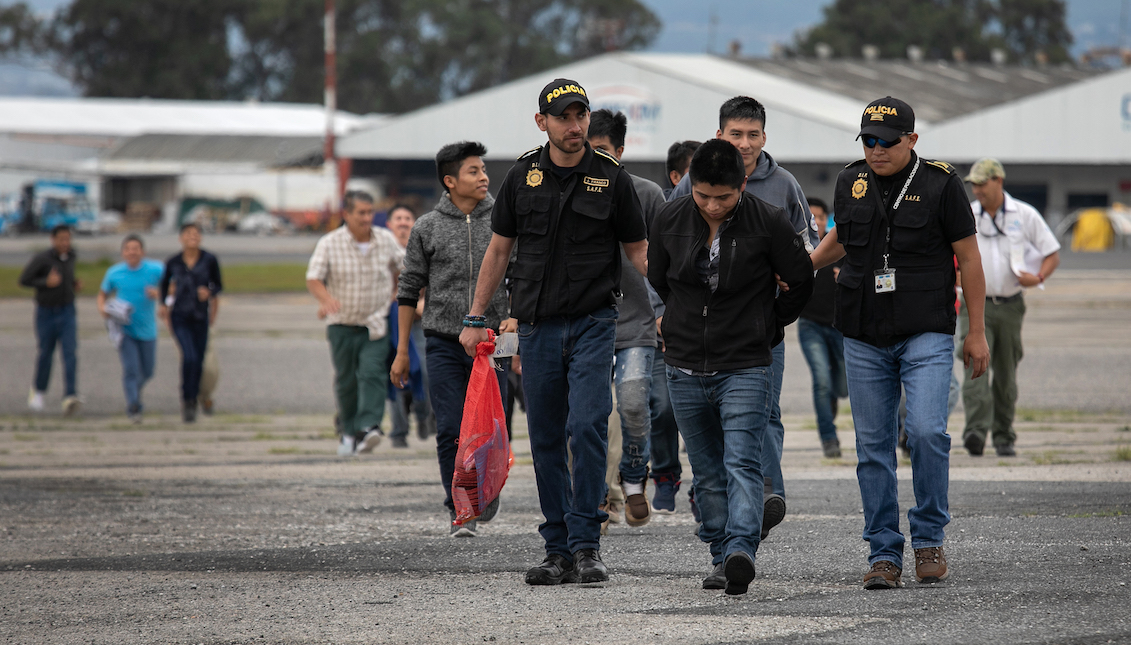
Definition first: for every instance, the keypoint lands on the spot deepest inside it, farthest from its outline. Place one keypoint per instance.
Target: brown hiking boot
(883, 575)
(930, 565)
(637, 511)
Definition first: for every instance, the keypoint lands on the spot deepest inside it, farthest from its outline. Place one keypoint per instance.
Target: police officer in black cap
(569, 207)
(900, 221)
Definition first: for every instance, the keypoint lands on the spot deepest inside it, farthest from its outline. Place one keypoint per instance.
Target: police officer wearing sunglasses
(900, 221)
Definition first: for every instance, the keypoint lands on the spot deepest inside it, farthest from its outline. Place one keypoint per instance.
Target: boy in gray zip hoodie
(444, 253)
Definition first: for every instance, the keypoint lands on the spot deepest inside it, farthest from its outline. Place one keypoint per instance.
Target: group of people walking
(676, 302)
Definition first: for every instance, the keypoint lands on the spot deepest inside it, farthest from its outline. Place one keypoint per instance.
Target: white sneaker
(35, 400)
(348, 446)
(371, 440)
(71, 405)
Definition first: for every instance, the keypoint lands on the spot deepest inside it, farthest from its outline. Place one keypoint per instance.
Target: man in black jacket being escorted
(712, 257)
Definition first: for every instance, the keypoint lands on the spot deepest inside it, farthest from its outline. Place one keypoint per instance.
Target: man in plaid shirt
(351, 273)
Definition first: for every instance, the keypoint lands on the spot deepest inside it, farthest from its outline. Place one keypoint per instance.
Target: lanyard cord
(898, 201)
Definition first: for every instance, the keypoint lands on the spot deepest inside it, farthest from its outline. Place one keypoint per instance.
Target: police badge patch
(534, 178)
(859, 188)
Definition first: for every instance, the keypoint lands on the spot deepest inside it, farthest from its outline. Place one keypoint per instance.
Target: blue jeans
(138, 360)
(823, 347)
(192, 336)
(56, 325)
(664, 440)
(567, 366)
(420, 408)
(775, 430)
(923, 365)
(450, 369)
(723, 420)
(632, 377)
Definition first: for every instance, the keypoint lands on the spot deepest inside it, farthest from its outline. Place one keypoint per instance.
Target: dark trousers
(665, 435)
(56, 325)
(449, 370)
(192, 336)
(361, 377)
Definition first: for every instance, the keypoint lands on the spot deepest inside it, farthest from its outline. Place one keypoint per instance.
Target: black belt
(1000, 300)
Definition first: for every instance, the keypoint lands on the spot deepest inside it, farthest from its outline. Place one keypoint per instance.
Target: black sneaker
(400, 442)
(974, 445)
(489, 513)
(554, 570)
(589, 567)
(739, 571)
(1005, 450)
(773, 512)
(188, 410)
(717, 579)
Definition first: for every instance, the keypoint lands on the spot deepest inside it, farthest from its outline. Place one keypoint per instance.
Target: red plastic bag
(484, 458)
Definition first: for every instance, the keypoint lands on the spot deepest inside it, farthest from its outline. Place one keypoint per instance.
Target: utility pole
(330, 166)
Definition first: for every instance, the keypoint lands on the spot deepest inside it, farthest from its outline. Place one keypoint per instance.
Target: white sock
(632, 489)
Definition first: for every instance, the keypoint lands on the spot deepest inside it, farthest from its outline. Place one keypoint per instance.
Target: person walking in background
(823, 345)
(712, 258)
(351, 274)
(1018, 252)
(900, 222)
(444, 255)
(135, 280)
(568, 208)
(679, 157)
(52, 274)
(412, 397)
(191, 283)
(627, 472)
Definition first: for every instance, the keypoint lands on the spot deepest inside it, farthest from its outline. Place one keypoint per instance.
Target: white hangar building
(1064, 133)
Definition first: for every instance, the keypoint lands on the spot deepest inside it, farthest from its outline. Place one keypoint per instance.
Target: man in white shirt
(1018, 251)
(351, 273)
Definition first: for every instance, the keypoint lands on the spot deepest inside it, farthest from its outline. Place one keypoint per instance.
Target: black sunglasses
(870, 142)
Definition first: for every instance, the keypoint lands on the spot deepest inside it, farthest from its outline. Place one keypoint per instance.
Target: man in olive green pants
(351, 274)
(1019, 252)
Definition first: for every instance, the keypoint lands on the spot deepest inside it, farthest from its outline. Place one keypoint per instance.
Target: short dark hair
(718, 163)
(133, 237)
(603, 123)
(187, 225)
(401, 206)
(818, 202)
(350, 199)
(679, 155)
(742, 108)
(60, 228)
(450, 158)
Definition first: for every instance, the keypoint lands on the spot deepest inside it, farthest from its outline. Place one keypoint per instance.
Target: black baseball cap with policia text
(887, 118)
(560, 94)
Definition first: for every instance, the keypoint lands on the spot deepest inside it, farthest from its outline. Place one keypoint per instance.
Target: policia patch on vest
(859, 188)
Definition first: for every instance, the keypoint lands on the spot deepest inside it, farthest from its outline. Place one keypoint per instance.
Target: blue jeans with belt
(56, 325)
(723, 419)
(923, 365)
(567, 366)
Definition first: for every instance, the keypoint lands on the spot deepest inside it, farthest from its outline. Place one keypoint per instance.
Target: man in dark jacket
(443, 256)
(52, 275)
(712, 258)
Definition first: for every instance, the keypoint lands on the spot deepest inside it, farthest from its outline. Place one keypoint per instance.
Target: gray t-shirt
(636, 324)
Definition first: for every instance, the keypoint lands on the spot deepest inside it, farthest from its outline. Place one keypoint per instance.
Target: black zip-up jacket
(736, 326)
(35, 275)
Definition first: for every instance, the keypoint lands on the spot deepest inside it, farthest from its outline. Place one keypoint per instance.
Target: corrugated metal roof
(268, 150)
(937, 90)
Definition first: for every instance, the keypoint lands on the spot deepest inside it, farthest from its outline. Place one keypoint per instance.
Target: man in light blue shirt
(135, 281)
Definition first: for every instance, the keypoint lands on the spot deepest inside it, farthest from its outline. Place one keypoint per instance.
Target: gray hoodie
(445, 251)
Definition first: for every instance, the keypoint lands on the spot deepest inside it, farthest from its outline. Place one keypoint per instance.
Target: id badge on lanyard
(885, 277)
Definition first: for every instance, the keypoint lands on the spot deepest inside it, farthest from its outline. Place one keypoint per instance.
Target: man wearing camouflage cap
(1018, 251)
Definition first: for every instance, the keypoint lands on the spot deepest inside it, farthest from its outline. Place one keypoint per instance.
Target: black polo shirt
(568, 223)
